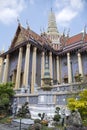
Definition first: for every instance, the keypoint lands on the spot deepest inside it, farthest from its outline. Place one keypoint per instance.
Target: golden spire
(52, 26)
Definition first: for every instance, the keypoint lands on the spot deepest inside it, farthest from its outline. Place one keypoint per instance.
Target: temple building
(55, 57)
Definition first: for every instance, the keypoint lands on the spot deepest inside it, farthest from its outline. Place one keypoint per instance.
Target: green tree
(79, 103)
(6, 94)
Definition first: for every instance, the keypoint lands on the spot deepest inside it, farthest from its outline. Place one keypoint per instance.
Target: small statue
(75, 119)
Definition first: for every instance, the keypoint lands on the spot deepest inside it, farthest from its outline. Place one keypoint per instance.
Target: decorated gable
(19, 37)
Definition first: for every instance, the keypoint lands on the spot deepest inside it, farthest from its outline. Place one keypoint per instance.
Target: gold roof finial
(85, 29)
(18, 21)
(40, 30)
(64, 31)
(27, 24)
(51, 9)
(84, 32)
(68, 32)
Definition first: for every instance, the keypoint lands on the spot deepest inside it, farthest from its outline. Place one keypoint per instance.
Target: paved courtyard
(12, 127)
(8, 127)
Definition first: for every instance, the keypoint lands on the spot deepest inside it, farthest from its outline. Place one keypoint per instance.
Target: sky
(70, 15)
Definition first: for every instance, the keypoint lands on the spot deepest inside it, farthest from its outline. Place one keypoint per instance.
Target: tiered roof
(66, 43)
(52, 26)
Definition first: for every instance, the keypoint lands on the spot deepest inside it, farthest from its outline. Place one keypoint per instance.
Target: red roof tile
(74, 39)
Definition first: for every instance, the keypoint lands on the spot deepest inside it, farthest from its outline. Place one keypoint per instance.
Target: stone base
(48, 110)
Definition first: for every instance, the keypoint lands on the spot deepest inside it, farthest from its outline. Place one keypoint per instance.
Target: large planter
(46, 88)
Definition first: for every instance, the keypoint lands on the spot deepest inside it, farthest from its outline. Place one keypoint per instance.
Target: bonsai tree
(24, 111)
(41, 115)
(57, 116)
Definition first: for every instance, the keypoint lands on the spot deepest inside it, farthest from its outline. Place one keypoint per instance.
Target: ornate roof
(23, 35)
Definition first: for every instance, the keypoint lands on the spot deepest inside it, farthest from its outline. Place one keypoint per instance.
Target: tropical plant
(44, 122)
(6, 95)
(37, 121)
(79, 103)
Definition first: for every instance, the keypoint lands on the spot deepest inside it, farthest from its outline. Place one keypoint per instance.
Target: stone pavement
(15, 125)
(8, 127)
(12, 127)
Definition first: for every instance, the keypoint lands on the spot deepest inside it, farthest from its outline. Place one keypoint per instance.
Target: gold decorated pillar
(50, 65)
(1, 68)
(58, 69)
(18, 76)
(69, 68)
(80, 64)
(26, 67)
(5, 77)
(33, 78)
(42, 68)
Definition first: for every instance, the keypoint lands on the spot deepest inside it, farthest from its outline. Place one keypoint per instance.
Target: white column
(5, 77)
(18, 76)
(1, 68)
(26, 67)
(13, 77)
(69, 68)
(58, 68)
(33, 78)
(80, 64)
(50, 65)
(42, 68)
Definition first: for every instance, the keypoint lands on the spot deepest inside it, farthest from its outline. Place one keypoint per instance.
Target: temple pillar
(33, 78)
(69, 68)
(54, 99)
(50, 65)
(13, 77)
(5, 77)
(26, 67)
(80, 64)
(1, 68)
(58, 69)
(18, 76)
(42, 68)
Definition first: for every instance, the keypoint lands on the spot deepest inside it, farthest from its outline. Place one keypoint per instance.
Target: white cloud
(67, 10)
(10, 10)
(31, 2)
(65, 16)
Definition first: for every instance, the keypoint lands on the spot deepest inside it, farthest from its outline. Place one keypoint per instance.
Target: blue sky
(69, 14)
